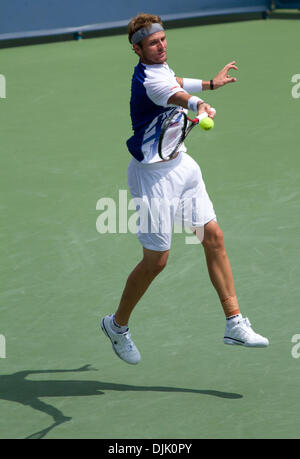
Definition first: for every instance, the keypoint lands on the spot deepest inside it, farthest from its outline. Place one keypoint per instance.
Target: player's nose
(161, 45)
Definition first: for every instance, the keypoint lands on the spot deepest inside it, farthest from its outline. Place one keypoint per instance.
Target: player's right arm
(181, 99)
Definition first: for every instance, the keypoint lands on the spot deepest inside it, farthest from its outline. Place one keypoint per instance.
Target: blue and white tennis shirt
(151, 88)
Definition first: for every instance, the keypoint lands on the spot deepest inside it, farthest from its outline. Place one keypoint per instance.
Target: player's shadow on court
(16, 388)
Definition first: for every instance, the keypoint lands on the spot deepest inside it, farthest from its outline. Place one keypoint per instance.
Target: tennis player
(155, 92)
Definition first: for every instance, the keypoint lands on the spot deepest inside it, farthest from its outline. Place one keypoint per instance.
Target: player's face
(153, 49)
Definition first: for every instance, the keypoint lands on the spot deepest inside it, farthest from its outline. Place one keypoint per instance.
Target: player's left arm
(221, 79)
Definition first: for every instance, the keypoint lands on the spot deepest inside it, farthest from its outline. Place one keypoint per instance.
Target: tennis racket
(174, 131)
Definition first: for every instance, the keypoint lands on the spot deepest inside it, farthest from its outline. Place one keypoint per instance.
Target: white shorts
(168, 192)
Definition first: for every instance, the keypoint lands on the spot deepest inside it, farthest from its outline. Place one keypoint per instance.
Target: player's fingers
(229, 79)
(204, 107)
(212, 112)
(232, 63)
(230, 66)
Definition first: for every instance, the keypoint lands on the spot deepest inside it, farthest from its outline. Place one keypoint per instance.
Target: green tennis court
(60, 154)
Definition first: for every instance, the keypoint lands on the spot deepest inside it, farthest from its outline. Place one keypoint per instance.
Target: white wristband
(202, 116)
(193, 103)
(191, 85)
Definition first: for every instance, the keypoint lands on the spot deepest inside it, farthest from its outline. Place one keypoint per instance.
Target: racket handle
(204, 115)
(201, 116)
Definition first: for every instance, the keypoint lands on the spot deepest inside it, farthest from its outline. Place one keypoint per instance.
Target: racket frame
(189, 124)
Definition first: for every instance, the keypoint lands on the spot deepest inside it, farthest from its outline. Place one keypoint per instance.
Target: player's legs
(115, 326)
(219, 267)
(199, 214)
(238, 330)
(151, 265)
(151, 191)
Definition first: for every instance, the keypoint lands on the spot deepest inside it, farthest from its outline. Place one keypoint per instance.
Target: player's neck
(148, 62)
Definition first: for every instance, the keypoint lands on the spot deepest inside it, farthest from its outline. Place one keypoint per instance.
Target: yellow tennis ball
(207, 123)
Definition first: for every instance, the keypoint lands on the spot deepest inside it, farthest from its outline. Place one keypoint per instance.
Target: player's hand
(223, 78)
(206, 108)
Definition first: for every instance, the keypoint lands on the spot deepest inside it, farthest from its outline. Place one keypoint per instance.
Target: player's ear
(137, 49)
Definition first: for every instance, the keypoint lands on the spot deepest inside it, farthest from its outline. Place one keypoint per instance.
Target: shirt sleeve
(160, 86)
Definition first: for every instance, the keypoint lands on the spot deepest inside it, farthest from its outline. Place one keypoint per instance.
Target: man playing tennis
(155, 92)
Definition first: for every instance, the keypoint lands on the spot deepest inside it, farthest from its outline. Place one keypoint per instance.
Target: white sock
(233, 319)
(118, 328)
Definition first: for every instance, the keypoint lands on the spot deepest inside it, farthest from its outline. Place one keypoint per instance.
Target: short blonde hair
(140, 21)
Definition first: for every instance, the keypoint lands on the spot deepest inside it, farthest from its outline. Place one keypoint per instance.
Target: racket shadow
(124, 387)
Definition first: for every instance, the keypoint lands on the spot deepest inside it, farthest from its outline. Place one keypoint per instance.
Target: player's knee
(156, 265)
(214, 239)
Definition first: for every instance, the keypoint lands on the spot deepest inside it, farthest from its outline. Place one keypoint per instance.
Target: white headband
(145, 32)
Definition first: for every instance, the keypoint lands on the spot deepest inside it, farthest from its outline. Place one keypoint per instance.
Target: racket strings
(173, 134)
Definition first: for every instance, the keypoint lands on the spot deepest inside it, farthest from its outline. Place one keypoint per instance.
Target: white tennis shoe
(122, 343)
(238, 331)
